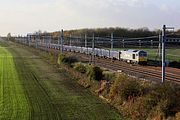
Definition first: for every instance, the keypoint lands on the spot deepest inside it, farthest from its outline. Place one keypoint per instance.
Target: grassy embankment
(137, 99)
(33, 89)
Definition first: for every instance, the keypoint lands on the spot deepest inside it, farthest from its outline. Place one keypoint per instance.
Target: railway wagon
(97, 52)
(89, 51)
(134, 56)
(83, 50)
(67, 48)
(130, 56)
(105, 53)
(114, 54)
(78, 49)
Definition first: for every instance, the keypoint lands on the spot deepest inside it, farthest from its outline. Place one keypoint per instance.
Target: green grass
(32, 89)
(13, 102)
(172, 54)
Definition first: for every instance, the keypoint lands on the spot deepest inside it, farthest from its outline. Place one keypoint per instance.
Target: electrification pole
(93, 40)
(163, 52)
(159, 47)
(140, 43)
(36, 41)
(70, 40)
(46, 40)
(50, 38)
(62, 40)
(112, 45)
(151, 44)
(123, 43)
(85, 40)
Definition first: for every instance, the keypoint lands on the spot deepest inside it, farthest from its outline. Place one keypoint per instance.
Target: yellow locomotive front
(142, 57)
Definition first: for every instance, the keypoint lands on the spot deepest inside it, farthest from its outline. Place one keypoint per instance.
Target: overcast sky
(26, 16)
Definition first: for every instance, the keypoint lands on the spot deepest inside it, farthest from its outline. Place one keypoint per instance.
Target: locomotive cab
(134, 56)
(142, 57)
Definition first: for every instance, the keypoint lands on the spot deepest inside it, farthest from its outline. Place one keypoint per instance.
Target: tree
(8, 36)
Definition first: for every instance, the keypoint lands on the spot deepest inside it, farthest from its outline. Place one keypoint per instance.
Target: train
(130, 56)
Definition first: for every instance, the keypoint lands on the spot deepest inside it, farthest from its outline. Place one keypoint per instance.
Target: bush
(60, 58)
(80, 67)
(167, 98)
(140, 107)
(50, 56)
(97, 73)
(108, 75)
(145, 101)
(94, 72)
(130, 88)
(178, 116)
(70, 60)
(114, 87)
(125, 87)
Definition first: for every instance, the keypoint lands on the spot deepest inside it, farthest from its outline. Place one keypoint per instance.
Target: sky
(20, 17)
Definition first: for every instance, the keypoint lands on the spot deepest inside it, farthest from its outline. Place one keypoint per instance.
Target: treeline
(106, 32)
(117, 31)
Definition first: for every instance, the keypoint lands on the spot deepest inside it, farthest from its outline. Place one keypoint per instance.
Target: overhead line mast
(164, 52)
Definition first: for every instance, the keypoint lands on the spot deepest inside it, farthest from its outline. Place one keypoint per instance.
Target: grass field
(13, 102)
(32, 89)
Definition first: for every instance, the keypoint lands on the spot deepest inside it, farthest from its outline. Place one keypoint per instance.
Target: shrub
(125, 87)
(178, 116)
(97, 73)
(108, 75)
(68, 60)
(130, 88)
(80, 67)
(94, 72)
(60, 58)
(50, 56)
(167, 99)
(114, 90)
(140, 107)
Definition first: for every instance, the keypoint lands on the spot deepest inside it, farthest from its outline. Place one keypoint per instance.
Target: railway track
(142, 72)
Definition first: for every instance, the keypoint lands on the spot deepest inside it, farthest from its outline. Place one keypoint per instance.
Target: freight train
(130, 56)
